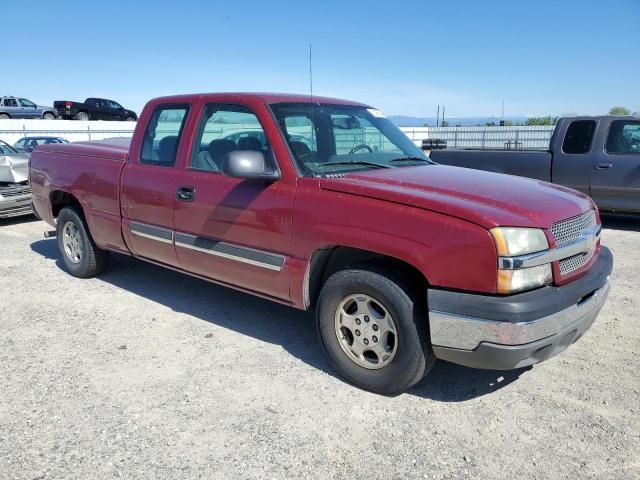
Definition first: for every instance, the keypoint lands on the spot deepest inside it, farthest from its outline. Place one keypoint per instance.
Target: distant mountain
(407, 121)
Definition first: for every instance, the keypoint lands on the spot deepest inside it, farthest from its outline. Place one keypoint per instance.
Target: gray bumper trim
(467, 333)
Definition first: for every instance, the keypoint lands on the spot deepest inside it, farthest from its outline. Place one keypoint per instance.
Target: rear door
(149, 183)
(615, 172)
(571, 163)
(228, 229)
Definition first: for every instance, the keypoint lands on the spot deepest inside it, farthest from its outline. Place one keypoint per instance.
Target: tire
(84, 116)
(4, 116)
(88, 260)
(394, 372)
(131, 119)
(48, 116)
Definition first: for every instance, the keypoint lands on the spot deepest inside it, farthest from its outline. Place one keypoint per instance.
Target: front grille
(569, 230)
(571, 264)
(14, 190)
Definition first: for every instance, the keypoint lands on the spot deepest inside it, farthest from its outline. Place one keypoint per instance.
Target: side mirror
(248, 164)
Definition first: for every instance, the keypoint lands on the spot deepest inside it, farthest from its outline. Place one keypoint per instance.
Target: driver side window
(223, 129)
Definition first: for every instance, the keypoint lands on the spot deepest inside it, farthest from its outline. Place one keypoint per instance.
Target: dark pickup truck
(326, 205)
(93, 109)
(599, 156)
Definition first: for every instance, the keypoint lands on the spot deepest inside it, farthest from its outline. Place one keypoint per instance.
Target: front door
(228, 229)
(149, 184)
(615, 173)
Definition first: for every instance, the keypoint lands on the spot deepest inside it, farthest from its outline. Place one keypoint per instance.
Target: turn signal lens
(512, 241)
(511, 281)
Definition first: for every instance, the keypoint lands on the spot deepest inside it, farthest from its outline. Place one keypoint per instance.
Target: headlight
(512, 241)
(511, 281)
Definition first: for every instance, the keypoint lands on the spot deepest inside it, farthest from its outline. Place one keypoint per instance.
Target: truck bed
(525, 163)
(73, 167)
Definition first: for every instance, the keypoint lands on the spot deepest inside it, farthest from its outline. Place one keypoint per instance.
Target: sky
(405, 57)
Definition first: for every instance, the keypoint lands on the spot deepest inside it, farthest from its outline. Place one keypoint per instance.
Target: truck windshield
(326, 139)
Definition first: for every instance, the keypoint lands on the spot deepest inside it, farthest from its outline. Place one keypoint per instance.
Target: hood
(14, 168)
(484, 198)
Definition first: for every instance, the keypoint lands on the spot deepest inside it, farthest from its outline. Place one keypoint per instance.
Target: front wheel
(49, 116)
(79, 252)
(131, 119)
(374, 330)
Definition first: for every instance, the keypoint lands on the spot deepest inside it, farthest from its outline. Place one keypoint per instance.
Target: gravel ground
(147, 373)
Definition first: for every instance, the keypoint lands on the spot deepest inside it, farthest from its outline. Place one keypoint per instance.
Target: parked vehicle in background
(403, 260)
(599, 156)
(15, 107)
(15, 194)
(27, 144)
(94, 109)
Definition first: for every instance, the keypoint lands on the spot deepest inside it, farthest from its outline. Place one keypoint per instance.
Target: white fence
(514, 138)
(521, 137)
(73, 130)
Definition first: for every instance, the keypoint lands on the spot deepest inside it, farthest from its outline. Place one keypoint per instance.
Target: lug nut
(357, 333)
(358, 322)
(366, 318)
(374, 338)
(366, 341)
(375, 327)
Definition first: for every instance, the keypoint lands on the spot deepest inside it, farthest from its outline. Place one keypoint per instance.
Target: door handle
(185, 193)
(603, 166)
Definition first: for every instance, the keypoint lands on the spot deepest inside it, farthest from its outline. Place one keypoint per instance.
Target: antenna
(310, 75)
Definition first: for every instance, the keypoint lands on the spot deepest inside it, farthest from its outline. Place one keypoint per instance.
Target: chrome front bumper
(15, 206)
(519, 330)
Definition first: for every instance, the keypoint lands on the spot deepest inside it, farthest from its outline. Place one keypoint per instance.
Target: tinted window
(579, 137)
(623, 138)
(27, 103)
(223, 129)
(162, 136)
(10, 102)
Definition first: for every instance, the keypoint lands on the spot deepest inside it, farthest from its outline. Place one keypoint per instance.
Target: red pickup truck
(324, 204)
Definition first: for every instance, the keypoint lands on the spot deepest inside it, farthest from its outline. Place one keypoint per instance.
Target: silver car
(15, 194)
(15, 107)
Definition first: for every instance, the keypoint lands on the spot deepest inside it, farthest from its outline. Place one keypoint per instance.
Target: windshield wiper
(356, 162)
(411, 159)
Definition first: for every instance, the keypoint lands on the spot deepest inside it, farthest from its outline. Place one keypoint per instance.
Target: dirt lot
(146, 373)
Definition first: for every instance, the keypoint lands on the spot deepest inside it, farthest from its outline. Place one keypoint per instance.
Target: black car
(93, 109)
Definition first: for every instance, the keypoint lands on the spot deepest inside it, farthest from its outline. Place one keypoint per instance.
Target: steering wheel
(360, 147)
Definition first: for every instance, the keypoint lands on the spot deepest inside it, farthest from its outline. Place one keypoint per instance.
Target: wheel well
(60, 199)
(5, 113)
(327, 261)
(48, 112)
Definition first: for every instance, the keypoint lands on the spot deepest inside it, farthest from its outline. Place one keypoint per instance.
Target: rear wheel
(373, 327)
(84, 116)
(79, 252)
(49, 116)
(4, 116)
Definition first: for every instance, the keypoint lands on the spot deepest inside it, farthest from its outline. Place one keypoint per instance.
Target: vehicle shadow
(269, 322)
(4, 222)
(614, 221)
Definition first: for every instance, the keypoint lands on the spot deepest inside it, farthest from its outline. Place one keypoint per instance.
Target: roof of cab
(257, 96)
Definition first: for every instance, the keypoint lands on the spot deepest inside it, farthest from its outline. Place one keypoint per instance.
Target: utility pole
(443, 114)
(438, 117)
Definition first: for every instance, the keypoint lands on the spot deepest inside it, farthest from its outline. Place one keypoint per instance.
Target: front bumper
(515, 331)
(15, 206)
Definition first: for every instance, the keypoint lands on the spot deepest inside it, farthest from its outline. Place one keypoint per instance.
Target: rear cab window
(579, 137)
(162, 135)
